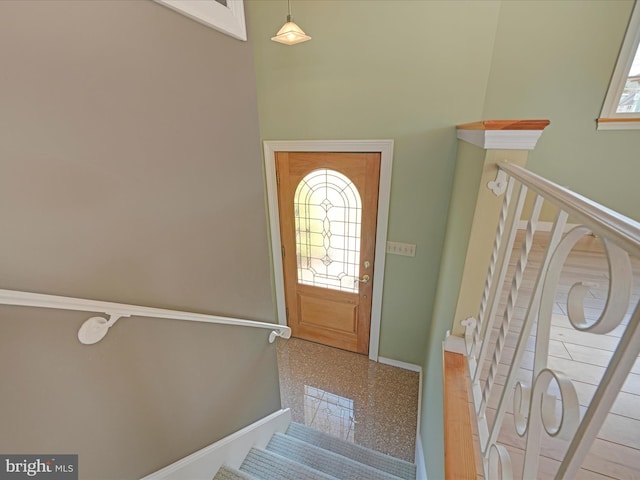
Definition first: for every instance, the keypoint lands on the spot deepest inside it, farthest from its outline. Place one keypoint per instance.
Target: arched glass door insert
(328, 217)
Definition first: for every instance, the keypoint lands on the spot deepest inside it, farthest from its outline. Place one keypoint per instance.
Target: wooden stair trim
(505, 125)
(618, 119)
(459, 454)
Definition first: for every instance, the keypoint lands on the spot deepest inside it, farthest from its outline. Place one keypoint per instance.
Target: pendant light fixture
(290, 33)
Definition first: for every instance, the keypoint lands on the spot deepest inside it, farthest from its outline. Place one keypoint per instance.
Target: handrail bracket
(95, 329)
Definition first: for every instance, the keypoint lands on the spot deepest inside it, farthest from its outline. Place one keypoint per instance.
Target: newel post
(479, 190)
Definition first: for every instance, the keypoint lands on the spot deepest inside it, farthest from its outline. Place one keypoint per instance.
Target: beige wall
(130, 164)
(130, 171)
(152, 392)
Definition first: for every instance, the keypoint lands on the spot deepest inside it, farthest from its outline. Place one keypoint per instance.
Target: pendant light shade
(290, 33)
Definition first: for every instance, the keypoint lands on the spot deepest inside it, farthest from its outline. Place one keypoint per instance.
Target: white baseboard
(397, 363)
(231, 450)
(421, 467)
(454, 344)
(419, 422)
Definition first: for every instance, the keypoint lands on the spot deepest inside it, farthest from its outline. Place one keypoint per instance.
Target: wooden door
(328, 206)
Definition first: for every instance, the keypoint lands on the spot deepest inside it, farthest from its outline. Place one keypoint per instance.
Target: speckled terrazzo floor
(348, 395)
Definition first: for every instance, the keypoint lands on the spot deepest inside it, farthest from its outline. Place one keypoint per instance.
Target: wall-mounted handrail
(95, 328)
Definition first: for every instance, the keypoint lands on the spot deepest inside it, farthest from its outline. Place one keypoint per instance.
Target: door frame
(385, 148)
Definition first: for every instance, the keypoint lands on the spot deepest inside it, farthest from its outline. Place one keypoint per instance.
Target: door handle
(364, 279)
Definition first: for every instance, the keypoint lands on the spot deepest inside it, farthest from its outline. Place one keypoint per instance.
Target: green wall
(464, 192)
(404, 70)
(547, 63)
(413, 70)
(554, 60)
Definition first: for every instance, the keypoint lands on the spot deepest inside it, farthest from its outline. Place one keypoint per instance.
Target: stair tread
(380, 461)
(266, 465)
(230, 473)
(324, 460)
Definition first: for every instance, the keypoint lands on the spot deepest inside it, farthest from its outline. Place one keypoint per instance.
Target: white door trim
(385, 148)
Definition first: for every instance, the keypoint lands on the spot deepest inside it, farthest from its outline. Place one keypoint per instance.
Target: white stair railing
(95, 328)
(539, 401)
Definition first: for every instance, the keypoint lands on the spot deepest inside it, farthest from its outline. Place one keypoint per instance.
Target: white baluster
(535, 409)
(539, 412)
(620, 282)
(475, 330)
(511, 303)
(530, 319)
(619, 294)
(614, 377)
(499, 463)
(494, 293)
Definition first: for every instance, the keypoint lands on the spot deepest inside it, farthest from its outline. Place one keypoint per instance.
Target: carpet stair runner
(306, 454)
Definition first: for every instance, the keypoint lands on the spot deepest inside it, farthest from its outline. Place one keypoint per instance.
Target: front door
(328, 208)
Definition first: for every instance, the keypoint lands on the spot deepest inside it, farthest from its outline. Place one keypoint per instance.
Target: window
(328, 214)
(621, 108)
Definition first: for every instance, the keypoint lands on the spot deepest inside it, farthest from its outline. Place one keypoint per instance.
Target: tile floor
(350, 396)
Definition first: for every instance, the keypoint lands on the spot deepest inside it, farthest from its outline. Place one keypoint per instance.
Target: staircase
(302, 453)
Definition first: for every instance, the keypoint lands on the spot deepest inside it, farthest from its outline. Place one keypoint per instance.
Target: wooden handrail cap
(505, 125)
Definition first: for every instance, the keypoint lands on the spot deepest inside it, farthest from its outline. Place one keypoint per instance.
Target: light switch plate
(399, 248)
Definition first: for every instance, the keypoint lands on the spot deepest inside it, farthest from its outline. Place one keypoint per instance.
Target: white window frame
(609, 118)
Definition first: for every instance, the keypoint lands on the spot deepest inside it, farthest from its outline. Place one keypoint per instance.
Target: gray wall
(130, 171)
(152, 392)
(130, 164)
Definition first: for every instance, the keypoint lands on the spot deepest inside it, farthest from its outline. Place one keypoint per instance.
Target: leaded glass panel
(328, 215)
